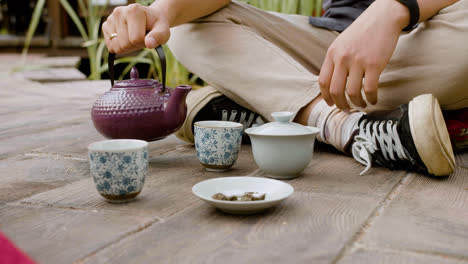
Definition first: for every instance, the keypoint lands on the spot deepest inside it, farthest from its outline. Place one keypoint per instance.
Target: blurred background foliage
(148, 59)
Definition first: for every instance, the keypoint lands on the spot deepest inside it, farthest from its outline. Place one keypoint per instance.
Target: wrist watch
(413, 8)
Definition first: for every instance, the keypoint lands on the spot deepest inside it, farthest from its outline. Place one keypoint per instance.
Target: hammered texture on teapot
(121, 103)
(140, 112)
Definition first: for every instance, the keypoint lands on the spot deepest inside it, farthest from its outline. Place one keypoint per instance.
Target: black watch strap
(413, 8)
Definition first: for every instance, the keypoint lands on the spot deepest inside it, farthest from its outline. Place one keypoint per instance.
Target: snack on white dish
(275, 191)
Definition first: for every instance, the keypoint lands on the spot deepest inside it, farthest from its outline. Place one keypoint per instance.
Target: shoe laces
(379, 136)
(246, 122)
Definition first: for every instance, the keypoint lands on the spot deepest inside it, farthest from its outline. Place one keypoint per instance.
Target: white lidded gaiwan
(282, 149)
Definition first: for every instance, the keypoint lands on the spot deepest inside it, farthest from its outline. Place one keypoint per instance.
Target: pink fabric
(10, 254)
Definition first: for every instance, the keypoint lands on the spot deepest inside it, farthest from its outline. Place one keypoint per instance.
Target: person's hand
(131, 23)
(362, 51)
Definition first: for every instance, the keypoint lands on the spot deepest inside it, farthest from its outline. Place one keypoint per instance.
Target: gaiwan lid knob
(282, 126)
(135, 82)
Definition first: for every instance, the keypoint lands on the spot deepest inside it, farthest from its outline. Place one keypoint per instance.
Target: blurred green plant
(178, 73)
(32, 26)
(97, 52)
(89, 31)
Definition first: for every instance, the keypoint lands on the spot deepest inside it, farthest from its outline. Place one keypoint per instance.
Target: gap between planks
(55, 156)
(58, 156)
(134, 232)
(155, 220)
(353, 242)
(413, 252)
(123, 236)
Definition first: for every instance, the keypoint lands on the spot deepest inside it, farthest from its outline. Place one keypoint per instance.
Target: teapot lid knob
(134, 73)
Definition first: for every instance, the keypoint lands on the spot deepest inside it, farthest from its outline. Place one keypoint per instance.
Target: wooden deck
(49, 206)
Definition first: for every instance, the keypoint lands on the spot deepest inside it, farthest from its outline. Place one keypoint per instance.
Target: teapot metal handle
(162, 59)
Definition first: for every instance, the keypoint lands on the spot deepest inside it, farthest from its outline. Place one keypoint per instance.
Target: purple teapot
(139, 108)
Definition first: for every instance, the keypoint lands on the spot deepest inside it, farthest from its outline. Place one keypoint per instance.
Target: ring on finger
(113, 35)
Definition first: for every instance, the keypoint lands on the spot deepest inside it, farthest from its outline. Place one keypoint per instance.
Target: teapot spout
(179, 94)
(176, 106)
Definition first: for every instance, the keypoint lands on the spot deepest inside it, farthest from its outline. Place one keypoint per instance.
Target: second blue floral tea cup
(217, 143)
(119, 168)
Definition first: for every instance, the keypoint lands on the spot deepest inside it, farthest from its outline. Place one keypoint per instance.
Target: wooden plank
(63, 127)
(18, 86)
(387, 256)
(174, 169)
(76, 144)
(42, 119)
(53, 75)
(59, 62)
(60, 137)
(333, 172)
(430, 215)
(305, 228)
(73, 138)
(8, 61)
(84, 91)
(11, 40)
(56, 235)
(28, 109)
(167, 190)
(19, 95)
(462, 159)
(72, 90)
(27, 175)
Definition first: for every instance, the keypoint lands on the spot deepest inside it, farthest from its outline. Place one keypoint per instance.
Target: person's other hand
(361, 52)
(131, 23)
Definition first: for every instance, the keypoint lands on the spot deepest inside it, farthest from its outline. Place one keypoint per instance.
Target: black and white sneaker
(224, 109)
(412, 137)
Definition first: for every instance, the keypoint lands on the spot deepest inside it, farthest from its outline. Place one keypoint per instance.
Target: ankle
(302, 116)
(336, 127)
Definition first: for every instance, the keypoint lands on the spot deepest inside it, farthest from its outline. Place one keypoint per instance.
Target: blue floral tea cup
(119, 168)
(217, 143)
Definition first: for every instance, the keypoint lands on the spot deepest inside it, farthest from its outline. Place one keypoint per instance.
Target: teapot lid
(282, 127)
(135, 82)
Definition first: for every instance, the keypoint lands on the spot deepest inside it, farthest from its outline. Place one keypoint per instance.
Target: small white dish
(276, 191)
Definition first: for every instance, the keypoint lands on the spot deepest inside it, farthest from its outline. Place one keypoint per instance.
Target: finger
(354, 85)
(112, 44)
(158, 35)
(371, 82)
(136, 26)
(122, 35)
(106, 33)
(325, 76)
(115, 20)
(337, 87)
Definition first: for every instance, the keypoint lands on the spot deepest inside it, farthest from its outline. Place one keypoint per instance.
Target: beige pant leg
(262, 60)
(431, 59)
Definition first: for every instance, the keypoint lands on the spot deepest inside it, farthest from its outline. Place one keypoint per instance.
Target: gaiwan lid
(282, 127)
(135, 82)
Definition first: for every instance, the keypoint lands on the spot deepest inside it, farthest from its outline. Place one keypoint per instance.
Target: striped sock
(336, 127)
